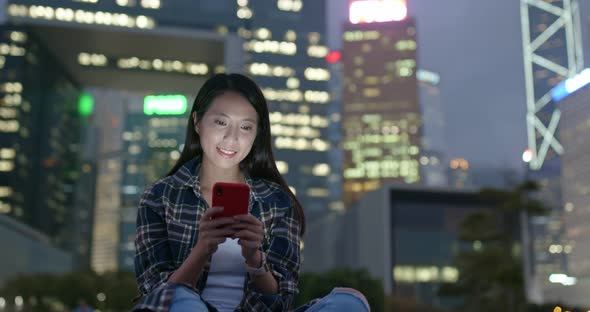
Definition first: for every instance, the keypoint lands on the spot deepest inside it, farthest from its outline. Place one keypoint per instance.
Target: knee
(352, 298)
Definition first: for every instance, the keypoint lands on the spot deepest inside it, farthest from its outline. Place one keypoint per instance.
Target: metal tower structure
(552, 50)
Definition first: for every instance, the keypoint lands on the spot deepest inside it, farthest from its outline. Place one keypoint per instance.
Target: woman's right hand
(213, 232)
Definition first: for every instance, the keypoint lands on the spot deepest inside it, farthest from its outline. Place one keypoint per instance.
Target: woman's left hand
(250, 233)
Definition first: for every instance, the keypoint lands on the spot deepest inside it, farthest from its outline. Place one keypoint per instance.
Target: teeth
(226, 151)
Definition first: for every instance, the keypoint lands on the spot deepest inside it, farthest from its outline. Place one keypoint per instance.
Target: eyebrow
(227, 116)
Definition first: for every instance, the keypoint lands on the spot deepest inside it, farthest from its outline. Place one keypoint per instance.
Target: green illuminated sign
(85, 104)
(164, 105)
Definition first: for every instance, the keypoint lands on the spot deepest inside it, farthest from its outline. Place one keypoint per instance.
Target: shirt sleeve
(153, 260)
(283, 258)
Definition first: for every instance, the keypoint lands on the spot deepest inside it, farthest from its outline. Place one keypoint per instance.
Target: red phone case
(233, 197)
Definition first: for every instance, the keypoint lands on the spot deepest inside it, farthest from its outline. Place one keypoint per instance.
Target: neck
(210, 175)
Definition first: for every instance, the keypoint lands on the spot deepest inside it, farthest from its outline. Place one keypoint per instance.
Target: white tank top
(227, 274)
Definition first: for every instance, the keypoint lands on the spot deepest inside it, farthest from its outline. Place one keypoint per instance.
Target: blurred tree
(317, 285)
(490, 254)
(45, 292)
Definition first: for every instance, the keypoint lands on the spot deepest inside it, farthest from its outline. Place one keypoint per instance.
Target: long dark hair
(260, 162)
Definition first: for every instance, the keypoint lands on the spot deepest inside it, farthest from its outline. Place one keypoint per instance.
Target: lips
(226, 152)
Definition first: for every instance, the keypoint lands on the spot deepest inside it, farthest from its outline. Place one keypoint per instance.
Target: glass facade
(39, 130)
(575, 184)
(381, 113)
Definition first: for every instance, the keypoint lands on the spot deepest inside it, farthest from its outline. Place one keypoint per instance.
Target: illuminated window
(8, 113)
(244, 33)
(282, 95)
(5, 191)
(317, 96)
(11, 87)
(6, 165)
(5, 207)
(290, 5)
(7, 153)
(314, 38)
(88, 59)
(337, 206)
(264, 69)
(290, 35)
(150, 4)
(82, 16)
(191, 68)
(358, 35)
(318, 192)
(282, 166)
(244, 13)
(9, 126)
(371, 92)
(134, 149)
(317, 74)
(132, 169)
(292, 83)
(18, 36)
(321, 170)
(263, 33)
(317, 51)
(2, 61)
(271, 46)
(405, 45)
(126, 2)
(415, 274)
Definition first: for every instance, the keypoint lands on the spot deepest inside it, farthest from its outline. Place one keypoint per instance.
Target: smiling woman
(186, 260)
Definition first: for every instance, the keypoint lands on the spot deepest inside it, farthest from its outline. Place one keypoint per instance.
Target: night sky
(476, 47)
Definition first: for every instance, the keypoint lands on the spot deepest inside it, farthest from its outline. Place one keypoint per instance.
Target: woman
(187, 261)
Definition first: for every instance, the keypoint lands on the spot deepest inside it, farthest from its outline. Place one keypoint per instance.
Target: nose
(231, 133)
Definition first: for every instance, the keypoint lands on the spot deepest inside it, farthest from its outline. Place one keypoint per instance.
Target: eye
(247, 127)
(219, 122)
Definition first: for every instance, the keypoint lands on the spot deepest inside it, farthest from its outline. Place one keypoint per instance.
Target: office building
(381, 113)
(572, 97)
(405, 235)
(39, 122)
(552, 51)
(433, 154)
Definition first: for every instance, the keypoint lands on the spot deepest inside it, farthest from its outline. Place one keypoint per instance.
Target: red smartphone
(233, 197)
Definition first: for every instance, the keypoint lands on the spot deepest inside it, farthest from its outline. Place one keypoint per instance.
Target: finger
(211, 212)
(248, 227)
(219, 240)
(248, 235)
(247, 218)
(220, 222)
(218, 233)
(248, 244)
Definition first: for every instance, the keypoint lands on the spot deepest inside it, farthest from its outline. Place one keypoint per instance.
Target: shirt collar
(188, 175)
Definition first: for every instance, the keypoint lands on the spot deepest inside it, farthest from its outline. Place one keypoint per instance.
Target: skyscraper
(285, 50)
(39, 125)
(433, 154)
(552, 52)
(381, 113)
(575, 183)
(153, 136)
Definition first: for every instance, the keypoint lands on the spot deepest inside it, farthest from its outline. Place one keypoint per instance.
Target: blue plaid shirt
(168, 228)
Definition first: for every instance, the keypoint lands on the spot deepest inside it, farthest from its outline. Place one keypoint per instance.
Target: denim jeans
(339, 299)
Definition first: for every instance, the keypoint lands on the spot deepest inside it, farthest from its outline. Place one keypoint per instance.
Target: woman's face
(227, 130)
